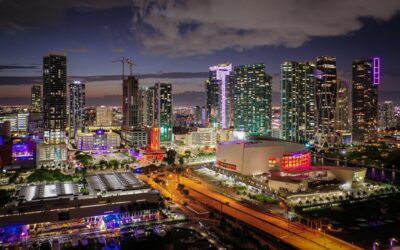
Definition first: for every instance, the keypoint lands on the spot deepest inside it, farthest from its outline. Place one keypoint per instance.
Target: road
(292, 234)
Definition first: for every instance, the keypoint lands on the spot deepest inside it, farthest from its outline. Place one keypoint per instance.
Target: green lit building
(251, 95)
(163, 110)
(298, 101)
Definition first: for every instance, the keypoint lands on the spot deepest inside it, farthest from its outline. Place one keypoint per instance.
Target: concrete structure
(98, 140)
(258, 157)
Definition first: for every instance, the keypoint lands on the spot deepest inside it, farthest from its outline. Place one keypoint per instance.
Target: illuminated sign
(376, 70)
(296, 161)
(226, 165)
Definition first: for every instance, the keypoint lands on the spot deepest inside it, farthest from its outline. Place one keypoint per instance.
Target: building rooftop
(47, 191)
(113, 182)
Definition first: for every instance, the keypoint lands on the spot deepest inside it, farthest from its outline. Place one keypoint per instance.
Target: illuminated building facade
(76, 107)
(36, 98)
(98, 141)
(365, 82)
(154, 139)
(147, 99)
(54, 98)
(297, 161)
(217, 97)
(298, 114)
(163, 111)
(261, 156)
(342, 115)
(326, 87)
(103, 116)
(24, 150)
(252, 97)
(387, 117)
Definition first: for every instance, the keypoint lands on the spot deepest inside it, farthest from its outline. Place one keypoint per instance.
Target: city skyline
(95, 42)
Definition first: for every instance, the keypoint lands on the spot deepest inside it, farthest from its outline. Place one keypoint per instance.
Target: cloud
(76, 50)
(192, 27)
(12, 67)
(19, 14)
(118, 50)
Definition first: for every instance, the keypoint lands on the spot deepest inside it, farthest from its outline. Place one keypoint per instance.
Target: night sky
(188, 36)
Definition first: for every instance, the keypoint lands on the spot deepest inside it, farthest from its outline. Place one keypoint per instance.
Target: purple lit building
(23, 151)
(100, 140)
(365, 82)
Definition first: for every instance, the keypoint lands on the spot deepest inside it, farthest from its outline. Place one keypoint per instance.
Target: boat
(140, 233)
(159, 230)
(102, 240)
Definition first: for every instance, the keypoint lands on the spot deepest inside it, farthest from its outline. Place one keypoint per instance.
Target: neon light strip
(376, 71)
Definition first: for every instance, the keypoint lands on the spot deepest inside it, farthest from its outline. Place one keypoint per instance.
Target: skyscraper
(131, 103)
(54, 98)
(298, 101)
(76, 107)
(387, 117)
(53, 152)
(163, 110)
(132, 132)
(325, 87)
(36, 98)
(365, 82)
(342, 113)
(147, 96)
(217, 100)
(252, 97)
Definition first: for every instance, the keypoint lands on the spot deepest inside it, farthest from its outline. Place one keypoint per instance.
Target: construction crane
(123, 60)
(131, 65)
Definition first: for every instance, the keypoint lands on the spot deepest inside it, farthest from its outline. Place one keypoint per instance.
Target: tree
(181, 160)
(170, 157)
(114, 163)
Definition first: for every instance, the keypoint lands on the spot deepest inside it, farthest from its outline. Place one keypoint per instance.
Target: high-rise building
(104, 116)
(252, 97)
(163, 111)
(325, 91)
(276, 122)
(147, 98)
(365, 82)
(36, 98)
(342, 115)
(132, 132)
(76, 107)
(54, 98)
(131, 103)
(387, 117)
(298, 101)
(217, 97)
(53, 152)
